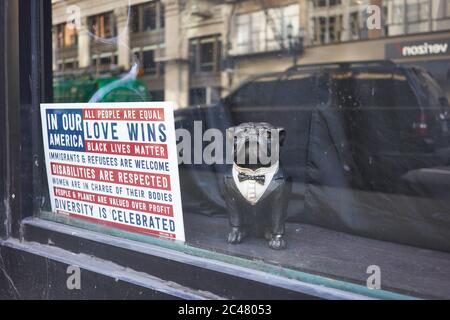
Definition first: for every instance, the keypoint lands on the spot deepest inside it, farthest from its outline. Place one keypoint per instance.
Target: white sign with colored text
(115, 164)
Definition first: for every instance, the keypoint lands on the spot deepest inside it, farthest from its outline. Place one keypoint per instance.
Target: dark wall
(28, 276)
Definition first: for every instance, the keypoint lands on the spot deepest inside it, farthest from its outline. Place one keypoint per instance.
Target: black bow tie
(243, 177)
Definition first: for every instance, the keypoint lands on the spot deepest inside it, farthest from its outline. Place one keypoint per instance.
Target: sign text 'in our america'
(69, 130)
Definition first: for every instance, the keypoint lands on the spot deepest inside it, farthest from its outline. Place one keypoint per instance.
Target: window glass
(101, 25)
(149, 17)
(135, 19)
(356, 92)
(148, 60)
(162, 15)
(157, 95)
(205, 54)
(262, 30)
(66, 35)
(398, 11)
(197, 96)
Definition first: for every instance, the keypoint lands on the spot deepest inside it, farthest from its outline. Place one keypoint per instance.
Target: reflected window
(102, 25)
(149, 62)
(355, 25)
(157, 95)
(398, 13)
(162, 15)
(135, 19)
(147, 58)
(418, 10)
(106, 61)
(204, 96)
(147, 17)
(262, 31)
(325, 3)
(205, 54)
(197, 96)
(66, 35)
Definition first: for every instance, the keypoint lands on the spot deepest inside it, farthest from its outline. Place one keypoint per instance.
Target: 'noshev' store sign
(417, 49)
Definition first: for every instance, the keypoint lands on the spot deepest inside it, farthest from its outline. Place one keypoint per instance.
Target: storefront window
(358, 101)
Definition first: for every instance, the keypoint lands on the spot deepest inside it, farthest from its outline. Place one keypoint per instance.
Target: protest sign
(114, 164)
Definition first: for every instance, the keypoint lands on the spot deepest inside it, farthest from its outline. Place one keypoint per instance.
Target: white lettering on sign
(425, 49)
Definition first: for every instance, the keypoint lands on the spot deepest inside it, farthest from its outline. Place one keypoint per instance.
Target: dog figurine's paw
(236, 235)
(277, 242)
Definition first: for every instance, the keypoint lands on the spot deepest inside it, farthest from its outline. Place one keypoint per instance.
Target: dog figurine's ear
(230, 134)
(281, 135)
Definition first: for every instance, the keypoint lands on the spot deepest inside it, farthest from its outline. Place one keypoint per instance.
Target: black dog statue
(255, 192)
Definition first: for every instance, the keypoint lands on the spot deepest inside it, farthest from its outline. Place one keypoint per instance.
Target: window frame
(29, 55)
(196, 56)
(63, 28)
(110, 26)
(139, 9)
(139, 52)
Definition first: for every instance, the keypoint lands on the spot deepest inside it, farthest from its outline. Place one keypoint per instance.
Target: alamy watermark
(374, 280)
(73, 17)
(214, 147)
(374, 17)
(74, 280)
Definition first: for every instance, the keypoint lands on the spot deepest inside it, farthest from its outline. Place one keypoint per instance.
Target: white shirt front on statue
(251, 189)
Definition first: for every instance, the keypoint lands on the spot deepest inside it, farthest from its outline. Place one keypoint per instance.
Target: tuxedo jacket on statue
(251, 201)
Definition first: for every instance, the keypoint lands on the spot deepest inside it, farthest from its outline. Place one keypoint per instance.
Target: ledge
(217, 273)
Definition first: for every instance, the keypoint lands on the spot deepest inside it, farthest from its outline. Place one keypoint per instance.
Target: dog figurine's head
(256, 144)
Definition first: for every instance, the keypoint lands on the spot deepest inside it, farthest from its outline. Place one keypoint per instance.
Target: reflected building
(194, 52)
(109, 37)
